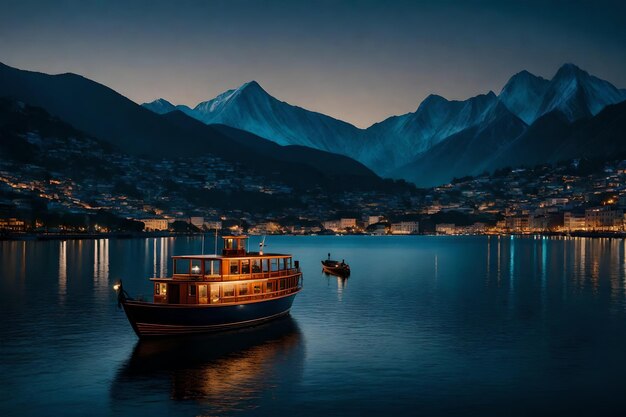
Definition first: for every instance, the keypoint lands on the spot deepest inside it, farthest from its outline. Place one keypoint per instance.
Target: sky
(358, 61)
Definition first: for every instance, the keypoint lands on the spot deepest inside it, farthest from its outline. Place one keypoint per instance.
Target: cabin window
(245, 266)
(215, 293)
(234, 267)
(182, 266)
(281, 284)
(256, 266)
(229, 243)
(274, 265)
(160, 288)
(202, 294)
(192, 290)
(256, 288)
(266, 265)
(196, 266)
(289, 263)
(270, 286)
(243, 289)
(211, 267)
(229, 290)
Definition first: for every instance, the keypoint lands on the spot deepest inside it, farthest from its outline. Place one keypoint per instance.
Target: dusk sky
(357, 61)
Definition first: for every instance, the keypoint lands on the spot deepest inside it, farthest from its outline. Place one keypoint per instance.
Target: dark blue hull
(150, 319)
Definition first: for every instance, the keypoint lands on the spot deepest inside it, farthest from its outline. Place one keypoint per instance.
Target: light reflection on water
(424, 325)
(224, 373)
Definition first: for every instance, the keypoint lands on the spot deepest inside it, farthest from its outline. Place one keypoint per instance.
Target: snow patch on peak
(159, 106)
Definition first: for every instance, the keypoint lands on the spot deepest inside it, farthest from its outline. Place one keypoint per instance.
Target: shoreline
(144, 235)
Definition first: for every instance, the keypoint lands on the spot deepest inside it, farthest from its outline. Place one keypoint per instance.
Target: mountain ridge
(387, 147)
(106, 115)
(396, 141)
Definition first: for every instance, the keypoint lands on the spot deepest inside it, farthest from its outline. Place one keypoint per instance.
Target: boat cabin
(235, 276)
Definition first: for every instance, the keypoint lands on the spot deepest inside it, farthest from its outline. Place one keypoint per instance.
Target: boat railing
(283, 273)
(193, 277)
(261, 296)
(262, 275)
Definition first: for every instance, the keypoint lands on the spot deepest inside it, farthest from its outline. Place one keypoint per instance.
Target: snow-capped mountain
(577, 94)
(162, 106)
(523, 95)
(251, 108)
(467, 151)
(393, 145)
(411, 134)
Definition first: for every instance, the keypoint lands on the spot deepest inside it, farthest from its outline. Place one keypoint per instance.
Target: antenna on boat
(261, 246)
(216, 241)
(202, 243)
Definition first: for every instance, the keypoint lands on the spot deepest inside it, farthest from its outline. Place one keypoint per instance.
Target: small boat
(333, 267)
(209, 293)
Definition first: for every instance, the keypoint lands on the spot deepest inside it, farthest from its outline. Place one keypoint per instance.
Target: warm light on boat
(241, 289)
(116, 287)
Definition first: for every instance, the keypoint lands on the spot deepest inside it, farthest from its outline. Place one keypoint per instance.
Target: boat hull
(153, 320)
(336, 270)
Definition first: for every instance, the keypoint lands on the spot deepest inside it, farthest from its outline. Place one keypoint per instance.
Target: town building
(573, 221)
(346, 223)
(151, 225)
(404, 228)
(445, 229)
(13, 225)
(604, 219)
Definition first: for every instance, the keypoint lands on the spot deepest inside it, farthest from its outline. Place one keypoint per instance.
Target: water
(424, 326)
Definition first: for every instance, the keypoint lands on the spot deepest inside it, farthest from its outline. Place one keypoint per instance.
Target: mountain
(402, 138)
(523, 95)
(505, 142)
(571, 91)
(577, 94)
(251, 108)
(465, 152)
(162, 106)
(99, 111)
(552, 138)
(104, 114)
(453, 134)
(392, 145)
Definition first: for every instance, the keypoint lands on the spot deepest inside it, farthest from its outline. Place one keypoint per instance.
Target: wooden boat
(209, 293)
(330, 266)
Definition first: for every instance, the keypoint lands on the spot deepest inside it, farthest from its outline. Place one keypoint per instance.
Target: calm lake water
(437, 326)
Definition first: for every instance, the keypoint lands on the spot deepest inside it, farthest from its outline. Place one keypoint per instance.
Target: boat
(333, 267)
(208, 293)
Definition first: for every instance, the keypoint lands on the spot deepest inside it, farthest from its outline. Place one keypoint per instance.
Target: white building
(605, 218)
(333, 225)
(404, 228)
(573, 222)
(373, 220)
(151, 225)
(345, 223)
